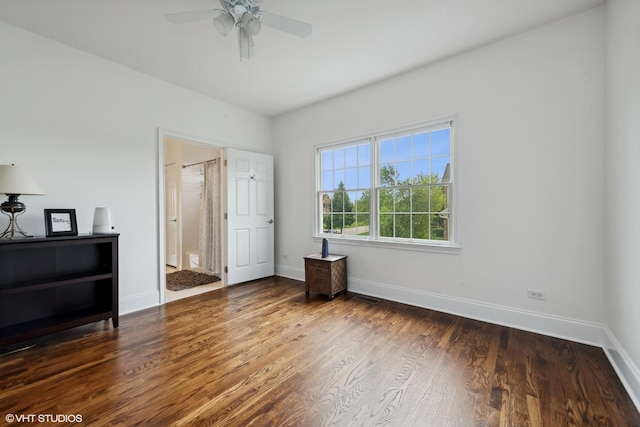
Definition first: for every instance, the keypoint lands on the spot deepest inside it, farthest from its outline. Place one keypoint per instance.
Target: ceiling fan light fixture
(250, 23)
(238, 10)
(246, 16)
(224, 23)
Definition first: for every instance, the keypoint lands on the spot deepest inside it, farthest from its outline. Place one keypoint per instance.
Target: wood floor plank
(264, 353)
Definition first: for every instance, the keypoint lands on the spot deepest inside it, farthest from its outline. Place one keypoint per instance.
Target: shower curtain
(210, 247)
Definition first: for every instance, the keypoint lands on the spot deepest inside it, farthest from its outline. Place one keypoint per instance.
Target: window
(394, 187)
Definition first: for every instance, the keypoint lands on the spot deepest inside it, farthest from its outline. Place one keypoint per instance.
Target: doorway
(189, 166)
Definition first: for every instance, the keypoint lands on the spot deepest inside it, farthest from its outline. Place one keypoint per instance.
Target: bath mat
(186, 279)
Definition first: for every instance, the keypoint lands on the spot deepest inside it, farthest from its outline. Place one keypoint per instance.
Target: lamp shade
(16, 180)
(102, 221)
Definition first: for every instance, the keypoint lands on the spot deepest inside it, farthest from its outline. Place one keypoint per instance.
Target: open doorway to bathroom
(192, 217)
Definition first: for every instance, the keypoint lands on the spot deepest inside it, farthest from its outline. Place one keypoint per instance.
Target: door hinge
(226, 269)
(226, 216)
(225, 163)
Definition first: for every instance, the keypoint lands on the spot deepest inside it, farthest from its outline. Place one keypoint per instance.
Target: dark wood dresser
(48, 284)
(327, 276)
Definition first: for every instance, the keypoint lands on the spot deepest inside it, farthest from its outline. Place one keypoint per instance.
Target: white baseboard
(627, 371)
(556, 326)
(138, 302)
(289, 272)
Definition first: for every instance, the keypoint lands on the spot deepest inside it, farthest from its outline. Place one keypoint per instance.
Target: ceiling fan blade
(245, 41)
(288, 25)
(192, 16)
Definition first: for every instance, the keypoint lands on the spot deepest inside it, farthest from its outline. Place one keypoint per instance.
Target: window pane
(361, 202)
(327, 181)
(388, 175)
(326, 223)
(385, 200)
(338, 158)
(403, 226)
(438, 167)
(446, 175)
(439, 201)
(421, 145)
(338, 179)
(351, 156)
(387, 151)
(364, 155)
(404, 173)
(349, 223)
(386, 225)
(352, 178)
(403, 148)
(420, 173)
(349, 198)
(336, 223)
(438, 227)
(364, 177)
(327, 160)
(326, 202)
(420, 199)
(440, 142)
(361, 225)
(337, 204)
(420, 224)
(403, 200)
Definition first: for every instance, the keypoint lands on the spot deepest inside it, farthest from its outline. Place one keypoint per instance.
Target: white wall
(529, 141)
(623, 187)
(88, 131)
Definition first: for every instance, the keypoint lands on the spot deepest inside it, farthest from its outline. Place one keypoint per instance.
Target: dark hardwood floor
(262, 353)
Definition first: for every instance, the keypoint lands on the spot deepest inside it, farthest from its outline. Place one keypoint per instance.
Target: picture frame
(60, 222)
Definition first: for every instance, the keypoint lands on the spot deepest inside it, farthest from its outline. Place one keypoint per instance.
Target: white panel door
(250, 216)
(171, 213)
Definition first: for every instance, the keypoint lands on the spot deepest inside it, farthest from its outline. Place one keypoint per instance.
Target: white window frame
(373, 239)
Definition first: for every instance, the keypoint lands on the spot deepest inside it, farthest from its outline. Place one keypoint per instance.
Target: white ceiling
(354, 42)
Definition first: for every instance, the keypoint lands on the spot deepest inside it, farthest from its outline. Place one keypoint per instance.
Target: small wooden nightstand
(327, 276)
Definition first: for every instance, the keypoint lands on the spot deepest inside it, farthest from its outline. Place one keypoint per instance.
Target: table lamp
(15, 181)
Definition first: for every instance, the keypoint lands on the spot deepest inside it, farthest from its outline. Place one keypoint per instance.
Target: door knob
(270, 221)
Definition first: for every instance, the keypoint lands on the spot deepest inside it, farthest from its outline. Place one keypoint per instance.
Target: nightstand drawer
(320, 267)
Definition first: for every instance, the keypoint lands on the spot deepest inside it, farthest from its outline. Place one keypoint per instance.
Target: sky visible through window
(350, 166)
(411, 156)
(417, 155)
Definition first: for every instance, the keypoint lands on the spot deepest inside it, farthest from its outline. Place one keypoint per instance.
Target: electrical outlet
(535, 294)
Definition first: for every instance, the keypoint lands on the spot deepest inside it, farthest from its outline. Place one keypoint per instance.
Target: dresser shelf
(51, 284)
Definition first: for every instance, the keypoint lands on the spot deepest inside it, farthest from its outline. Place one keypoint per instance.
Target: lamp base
(13, 208)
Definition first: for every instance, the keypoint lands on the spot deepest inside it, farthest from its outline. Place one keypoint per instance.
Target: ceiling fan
(246, 16)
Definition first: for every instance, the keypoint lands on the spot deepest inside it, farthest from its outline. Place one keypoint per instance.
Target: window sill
(420, 247)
